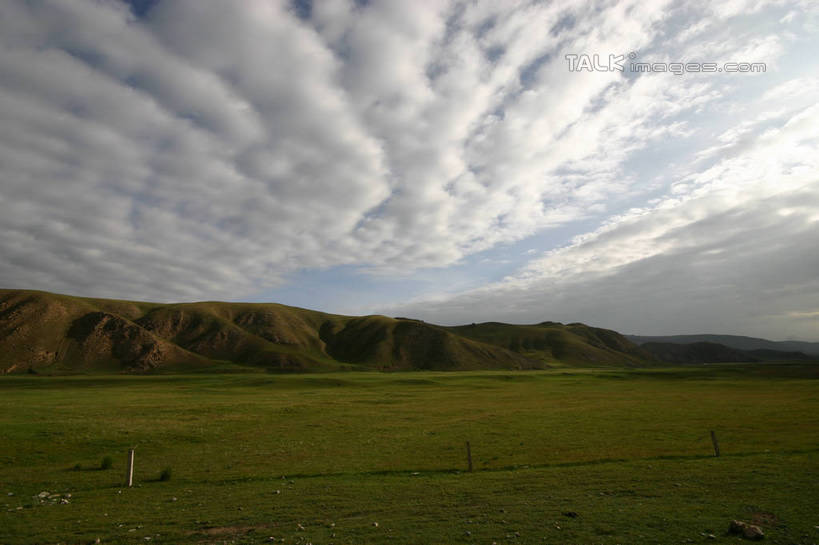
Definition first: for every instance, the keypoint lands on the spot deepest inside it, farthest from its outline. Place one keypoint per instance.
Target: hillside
(732, 341)
(702, 352)
(556, 344)
(697, 353)
(51, 333)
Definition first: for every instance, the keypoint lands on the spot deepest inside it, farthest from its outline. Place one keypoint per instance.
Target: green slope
(59, 333)
(553, 343)
(737, 342)
(411, 344)
(53, 333)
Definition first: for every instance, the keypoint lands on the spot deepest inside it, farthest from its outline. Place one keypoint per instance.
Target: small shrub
(165, 475)
(77, 467)
(107, 463)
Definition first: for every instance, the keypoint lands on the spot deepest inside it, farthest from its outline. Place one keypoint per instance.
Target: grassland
(259, 456)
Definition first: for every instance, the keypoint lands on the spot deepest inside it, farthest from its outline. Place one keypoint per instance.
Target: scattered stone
(11, 493)
(277, 492)
(173, 499)
(747, 531)
(64, 501)
(467, 533)
(300, 527)
(711, 536)
(571, 514)
(375, 524)
(42, 494)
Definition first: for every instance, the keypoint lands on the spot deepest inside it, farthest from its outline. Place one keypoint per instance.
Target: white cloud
(729, 254)
(204, 152)
(234, 146)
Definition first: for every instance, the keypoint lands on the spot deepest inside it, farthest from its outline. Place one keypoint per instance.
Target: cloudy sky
(434, 159)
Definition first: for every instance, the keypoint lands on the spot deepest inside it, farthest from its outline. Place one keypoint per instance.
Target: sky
(453, 161)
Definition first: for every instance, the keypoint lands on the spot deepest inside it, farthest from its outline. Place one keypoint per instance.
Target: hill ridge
(54, 333)
(738, 342)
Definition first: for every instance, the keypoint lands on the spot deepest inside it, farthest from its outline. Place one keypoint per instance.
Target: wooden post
(129, 476)
(716, 444)
(469, 456)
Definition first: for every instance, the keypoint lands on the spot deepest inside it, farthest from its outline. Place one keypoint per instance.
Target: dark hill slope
(703, 352)
(733, 341)
(780, 355)
(57, 333)
(697, 353)
(411, 344)
(269, 336)
(555, 343)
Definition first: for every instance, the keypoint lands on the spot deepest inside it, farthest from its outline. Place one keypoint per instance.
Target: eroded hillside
(45, 332)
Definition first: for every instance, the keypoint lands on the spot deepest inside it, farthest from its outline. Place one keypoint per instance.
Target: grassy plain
(259, 458)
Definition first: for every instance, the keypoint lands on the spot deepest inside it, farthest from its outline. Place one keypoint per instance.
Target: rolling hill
(557, 344)
(738, 342)
(703, 352)
(52, 333)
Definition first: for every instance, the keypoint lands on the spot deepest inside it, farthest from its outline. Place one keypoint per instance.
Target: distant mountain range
(50, 333)
(44, 332)
(700, 352)
(732, 341)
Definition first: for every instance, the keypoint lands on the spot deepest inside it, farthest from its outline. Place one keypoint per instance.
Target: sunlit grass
(625, 448)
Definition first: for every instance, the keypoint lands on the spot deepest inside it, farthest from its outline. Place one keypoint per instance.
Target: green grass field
(320, 458)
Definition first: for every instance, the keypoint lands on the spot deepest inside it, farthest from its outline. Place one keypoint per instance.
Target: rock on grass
(747, 531)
